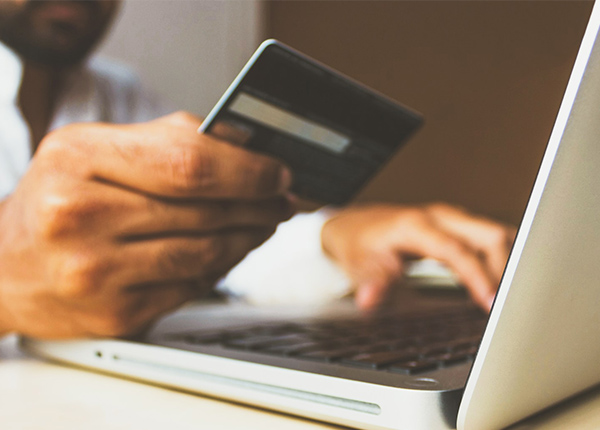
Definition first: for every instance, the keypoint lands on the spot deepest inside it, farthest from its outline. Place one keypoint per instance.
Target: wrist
(329, 239)
(325, 236)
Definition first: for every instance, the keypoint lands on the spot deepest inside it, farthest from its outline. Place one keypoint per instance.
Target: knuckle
(193, 167)
(56, 216)
(51, 145)
(59, 144)
(183, 118)
(453, 249)
(81, 276)
(60, 215)
(411, 217)
(54, 142)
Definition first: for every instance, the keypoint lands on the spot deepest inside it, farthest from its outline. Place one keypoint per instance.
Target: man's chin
(57, 45)
(54, 33)
(50, 53)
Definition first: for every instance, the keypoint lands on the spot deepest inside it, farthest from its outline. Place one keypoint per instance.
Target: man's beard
(55, 42)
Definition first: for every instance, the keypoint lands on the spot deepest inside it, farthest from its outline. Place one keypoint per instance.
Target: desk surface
(36, 394)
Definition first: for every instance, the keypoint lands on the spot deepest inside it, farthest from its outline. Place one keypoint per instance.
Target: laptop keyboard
(402, 344)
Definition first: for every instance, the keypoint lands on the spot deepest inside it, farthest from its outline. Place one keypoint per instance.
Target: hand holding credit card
(333, 132)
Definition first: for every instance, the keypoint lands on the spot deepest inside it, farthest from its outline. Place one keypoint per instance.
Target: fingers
(132, 216)
(424, 238)
(375, 277)
(168, 158)
(203, 217)
(365, 240)
(492, 239)
(171, 259)
(370, 295)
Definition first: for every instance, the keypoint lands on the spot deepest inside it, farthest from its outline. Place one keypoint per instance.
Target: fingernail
(490, 302)
(285, 179)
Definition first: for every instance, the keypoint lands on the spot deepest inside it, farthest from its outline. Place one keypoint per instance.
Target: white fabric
(15, 150)
(291, 267)
(107, 92)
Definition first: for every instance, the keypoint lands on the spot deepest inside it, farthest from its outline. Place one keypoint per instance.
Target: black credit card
(333, 132)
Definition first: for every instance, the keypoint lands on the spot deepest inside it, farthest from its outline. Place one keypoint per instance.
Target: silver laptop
(433, 362)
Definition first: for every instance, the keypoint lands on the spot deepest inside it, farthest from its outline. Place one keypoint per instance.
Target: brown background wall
(487, 75)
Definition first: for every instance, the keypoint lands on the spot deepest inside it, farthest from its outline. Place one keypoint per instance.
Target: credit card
(333, 132)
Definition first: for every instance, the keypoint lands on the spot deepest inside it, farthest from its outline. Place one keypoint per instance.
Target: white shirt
(102, 91)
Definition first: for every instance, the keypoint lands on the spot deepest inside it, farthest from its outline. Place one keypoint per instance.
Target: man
(110, 226)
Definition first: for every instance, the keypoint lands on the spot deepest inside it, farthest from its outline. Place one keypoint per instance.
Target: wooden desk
(35, 394)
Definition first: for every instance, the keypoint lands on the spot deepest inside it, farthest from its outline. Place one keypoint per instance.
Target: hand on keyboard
(372, 243)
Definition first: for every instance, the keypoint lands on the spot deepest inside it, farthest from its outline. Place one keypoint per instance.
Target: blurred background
(487, 75)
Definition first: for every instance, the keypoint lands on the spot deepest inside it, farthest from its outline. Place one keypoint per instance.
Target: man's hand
(113, 226)
(371, 244)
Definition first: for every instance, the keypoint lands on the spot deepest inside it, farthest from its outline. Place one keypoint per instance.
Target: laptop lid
(542, 341)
